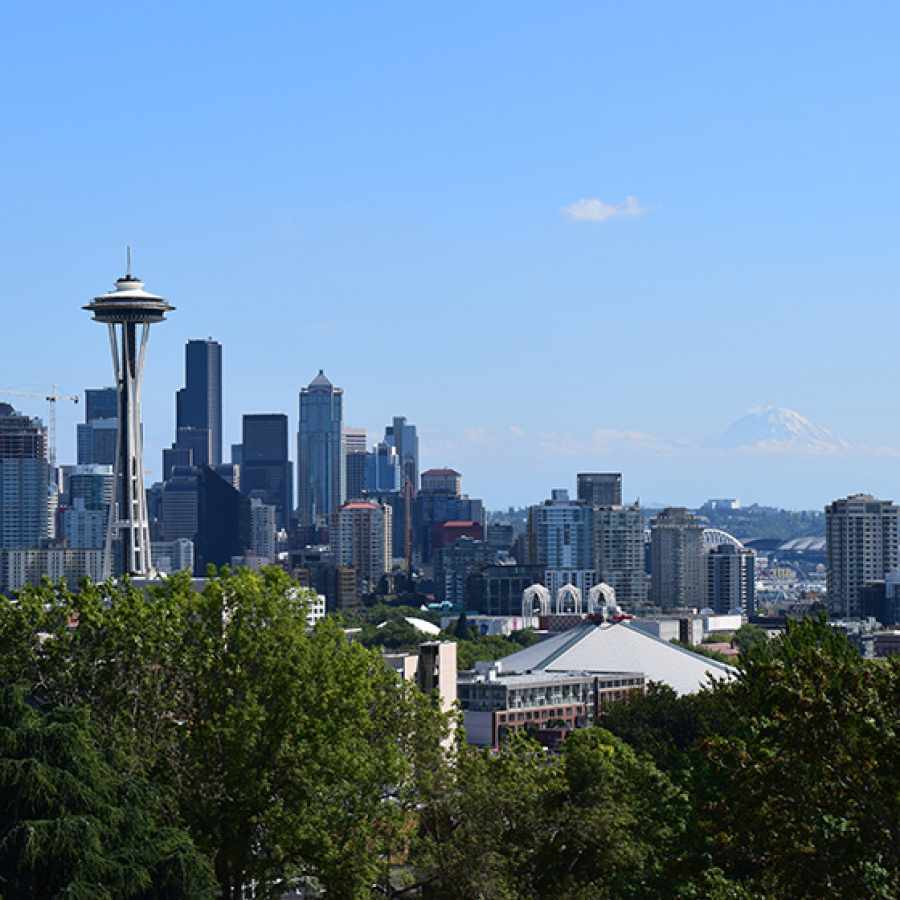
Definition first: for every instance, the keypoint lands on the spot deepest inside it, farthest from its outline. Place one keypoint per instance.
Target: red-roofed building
(443, 534)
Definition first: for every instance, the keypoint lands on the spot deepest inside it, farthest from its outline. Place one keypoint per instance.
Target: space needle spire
(122, 310)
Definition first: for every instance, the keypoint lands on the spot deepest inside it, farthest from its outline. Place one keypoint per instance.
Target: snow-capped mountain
(778, 429)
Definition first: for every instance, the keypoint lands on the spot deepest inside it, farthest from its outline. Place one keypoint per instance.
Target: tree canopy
(174, 743)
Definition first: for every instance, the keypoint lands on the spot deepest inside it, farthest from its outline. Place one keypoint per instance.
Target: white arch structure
(600, 596)
(537, 592)
(715, 537)
(602, 599)
(568, 594)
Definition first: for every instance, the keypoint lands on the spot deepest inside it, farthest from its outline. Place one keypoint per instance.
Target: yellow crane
(51, 399)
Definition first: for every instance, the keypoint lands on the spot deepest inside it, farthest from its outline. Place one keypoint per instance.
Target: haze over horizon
(555, 240)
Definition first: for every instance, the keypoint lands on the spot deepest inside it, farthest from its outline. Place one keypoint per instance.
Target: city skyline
(470, 173)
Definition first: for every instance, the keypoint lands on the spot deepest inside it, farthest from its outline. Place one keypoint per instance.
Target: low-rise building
(493, 625)
(495, 704)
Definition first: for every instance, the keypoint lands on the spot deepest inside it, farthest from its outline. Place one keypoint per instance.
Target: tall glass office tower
(320, 470)
(199, 402)
(265, 467)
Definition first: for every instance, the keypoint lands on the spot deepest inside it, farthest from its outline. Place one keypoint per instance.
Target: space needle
(122, 310)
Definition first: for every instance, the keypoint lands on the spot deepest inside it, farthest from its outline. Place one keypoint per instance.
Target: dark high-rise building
(97, 442)
(455, 563)
(265, 467)
(176, 457)
(199, 402)
(497, 590)
(223, 522)
(730, 579)
(320, 465)
(354, 462)
(600, 488)
(403, 438)
(101, 403)
(97, 436)
(196, 440)
(441, 500)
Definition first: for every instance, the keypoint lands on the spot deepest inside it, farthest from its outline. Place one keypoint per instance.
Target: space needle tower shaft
(128, 311)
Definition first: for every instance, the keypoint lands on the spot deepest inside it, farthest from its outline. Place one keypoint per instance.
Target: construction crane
(51, 399)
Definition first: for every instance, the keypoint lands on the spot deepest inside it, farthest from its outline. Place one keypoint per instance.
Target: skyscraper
(354, 462)
(862, 535)
(266, 470)
(320, 469)
(441, 500)
(86, 516)
(403, 438)
(223, 521)
(100, 403)
(97, 435)
(600, 488)
(731, 579)
(199, 402)
(676, 559)
(619, 552)
(560, 540)
(25, 481)
(382, 469)
(363, 540)
(122, 310)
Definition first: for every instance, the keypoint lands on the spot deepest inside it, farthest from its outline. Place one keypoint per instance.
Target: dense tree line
(189, 745)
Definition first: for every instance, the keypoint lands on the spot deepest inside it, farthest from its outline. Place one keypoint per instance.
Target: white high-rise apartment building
(262, 529)
(862, 535)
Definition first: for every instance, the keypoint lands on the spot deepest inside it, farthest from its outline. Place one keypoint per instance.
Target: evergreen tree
(72, 825)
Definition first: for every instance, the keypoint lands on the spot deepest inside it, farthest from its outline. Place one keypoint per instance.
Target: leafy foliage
(231, 730)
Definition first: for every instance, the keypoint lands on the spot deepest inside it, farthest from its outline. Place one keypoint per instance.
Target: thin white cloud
(593, 209)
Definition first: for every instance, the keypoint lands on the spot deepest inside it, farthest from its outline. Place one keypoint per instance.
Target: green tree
(74, 824)
(595, 822)
(320, 722)
(286, 752)
(748, 636)
(800, 799)
(462, 631)
(665, 725)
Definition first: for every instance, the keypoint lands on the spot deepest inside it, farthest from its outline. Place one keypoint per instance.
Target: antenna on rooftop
(128, 260)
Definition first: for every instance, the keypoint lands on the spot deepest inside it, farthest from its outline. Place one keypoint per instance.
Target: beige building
(618, 537)
(363, 532)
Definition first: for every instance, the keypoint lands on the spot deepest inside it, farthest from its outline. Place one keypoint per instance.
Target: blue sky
(380, 190)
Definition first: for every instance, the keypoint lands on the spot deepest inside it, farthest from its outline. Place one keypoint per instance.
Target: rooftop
(619, 647)
(321, 380)
(445, 472)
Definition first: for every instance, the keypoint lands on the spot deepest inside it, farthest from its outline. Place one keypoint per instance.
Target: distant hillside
(753, 522)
